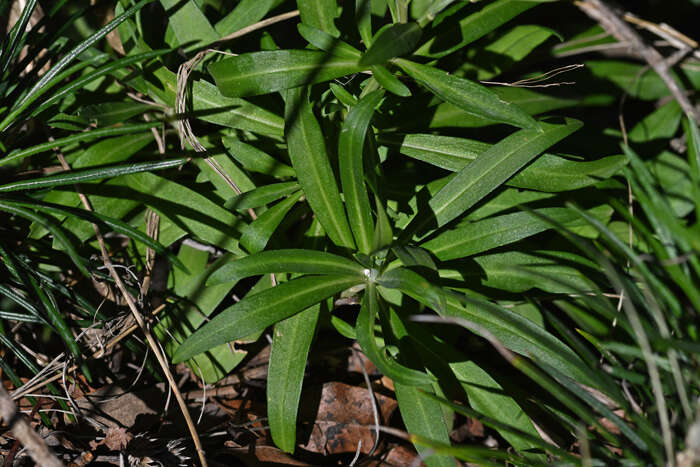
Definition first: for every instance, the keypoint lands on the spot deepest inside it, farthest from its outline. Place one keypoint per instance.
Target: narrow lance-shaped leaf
(467, 95)
(91, 174)
(389, 82)
(394, 41)
(693, 138)
(548, 173)
(56, 230)
(188, 22)
(492, 168)
(290, 347)
(84, 136)
(319, 14)
(494, 232)
(40, 86)
(423, 416)
(474, 26)
(363, 18)
(365, 337)
(352, 175)
(307, 150)
(261, 196)
(112, 66)
(16, 33)
(413, 284)
(114, 224)
(290, 261)
(257, 233)
(255, 313)
(255, 160)
(256, 73)
(325, 41)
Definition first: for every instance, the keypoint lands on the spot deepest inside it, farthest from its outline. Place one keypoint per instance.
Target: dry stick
(35, 444)
(618, 28)
(142, 324)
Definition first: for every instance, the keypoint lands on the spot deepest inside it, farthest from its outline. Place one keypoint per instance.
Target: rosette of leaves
(351, 204)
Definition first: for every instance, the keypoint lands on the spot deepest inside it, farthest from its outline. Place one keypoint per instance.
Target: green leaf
(423, 416)
(319, 14)
(290, 346)
(189, 210)
(211, 106)
(257, 312)
(487, 396)
(256, 73)
(244, 14)
(257, 233)
(492, 168)
(495, 232)
(692, 136)
(547, 173)
(383, 234)
(80, 176)
(113, 224)
(110, 151)
(16, 34)
(363, 19)
(110, 113)
(290, 261)
(501, 427)
(342, 94)
(324, 41)
(48, 78)
(447, 115)
(20, 154)
(474, 26)
(220, 170)
(662, 123)
(307, 150)
(56, 231)
(255, 160)
(636, 80)
(467, 95)
(414, 285)
(261, 196)
(188, 22)
(522, 336)
(394, 41)
(352, 173)
(511, 48)
(432, 9)
(200, 302)
(111, 67)
(517, 271)
(390, 82)
(364, 328)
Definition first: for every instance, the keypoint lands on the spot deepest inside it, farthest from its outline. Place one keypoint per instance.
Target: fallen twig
(35, 444)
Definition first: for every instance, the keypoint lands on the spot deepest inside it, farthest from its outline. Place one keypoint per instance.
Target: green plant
(369, 158)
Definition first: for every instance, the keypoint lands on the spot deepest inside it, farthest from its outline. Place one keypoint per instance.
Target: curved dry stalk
(142, 324)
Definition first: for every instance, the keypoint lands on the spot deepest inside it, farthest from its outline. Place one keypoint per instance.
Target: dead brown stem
(35, 444)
